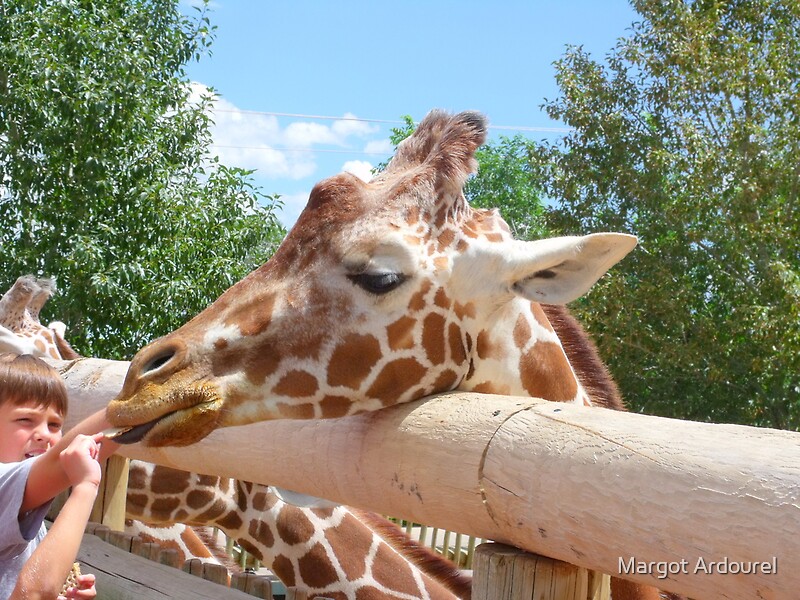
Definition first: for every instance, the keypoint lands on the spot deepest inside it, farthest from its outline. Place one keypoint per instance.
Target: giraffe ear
(559, 270)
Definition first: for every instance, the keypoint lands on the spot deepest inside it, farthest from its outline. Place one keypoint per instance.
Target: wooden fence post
(109, 507)
(503, 572)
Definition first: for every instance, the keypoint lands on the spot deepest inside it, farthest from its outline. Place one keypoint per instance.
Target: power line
(384, 121)
(284, 149)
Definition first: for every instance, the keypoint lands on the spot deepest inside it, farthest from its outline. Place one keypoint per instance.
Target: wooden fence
(612, 492)
(115, 558)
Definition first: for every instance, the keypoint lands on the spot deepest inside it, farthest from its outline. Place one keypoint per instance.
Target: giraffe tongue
(130, 435)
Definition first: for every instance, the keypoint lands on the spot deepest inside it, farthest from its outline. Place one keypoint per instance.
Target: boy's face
(27, 430)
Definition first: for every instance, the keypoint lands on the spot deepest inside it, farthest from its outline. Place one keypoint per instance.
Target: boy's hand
(84, 589)
(79, 460)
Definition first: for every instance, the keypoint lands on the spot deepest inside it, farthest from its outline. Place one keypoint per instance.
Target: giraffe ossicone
(383, 292)
(20, 329)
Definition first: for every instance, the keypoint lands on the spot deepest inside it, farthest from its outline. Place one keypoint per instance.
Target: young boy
(36, 464)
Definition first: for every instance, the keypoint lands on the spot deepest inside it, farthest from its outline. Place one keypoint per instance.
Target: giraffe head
(20, 329)
(382, 293)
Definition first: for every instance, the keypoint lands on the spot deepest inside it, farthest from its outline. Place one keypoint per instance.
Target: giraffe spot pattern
(390, 571)
(282, 567)
(488, 387)
(457, 353)
(250, 547)
(396, 377)
(260, 366)
(400, 334)
(213, 512)
(369, 593)
(494, 237)
(464, 311)
(539, 369)
(244, 489)
(169, 481)
(522, 332)
(418, 302)
(441, 299)
(263, 501)
(335, 406)
(349, 547)
(135, 503)
(165, 505)
(446, 238)
(262, 532)
(297, 384)
(412, 215)
(293, 525)
(212, 481)
(445, 381)
(433, 338)
(296, 411)
(252, 318)
(199, 498)
(484, 347)
(230, 521)
(353, 360)
(315, 568)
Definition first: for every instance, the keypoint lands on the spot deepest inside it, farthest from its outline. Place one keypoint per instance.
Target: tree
(505, 179)
(106, 183)
(689, 137)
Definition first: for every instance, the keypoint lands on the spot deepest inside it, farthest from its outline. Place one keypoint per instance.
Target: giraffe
(335, 552)
(20, 329)
(331, 551)
(382, 293)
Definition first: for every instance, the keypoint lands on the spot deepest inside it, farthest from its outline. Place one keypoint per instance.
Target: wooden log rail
(698, 509)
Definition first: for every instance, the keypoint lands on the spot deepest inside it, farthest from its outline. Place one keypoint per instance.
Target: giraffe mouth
(177, 428)
(156, 417)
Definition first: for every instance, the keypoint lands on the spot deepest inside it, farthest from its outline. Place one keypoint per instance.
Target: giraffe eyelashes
(378, 283)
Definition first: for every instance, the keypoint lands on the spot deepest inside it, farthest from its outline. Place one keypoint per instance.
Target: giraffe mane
(64, 347)
(435, 566)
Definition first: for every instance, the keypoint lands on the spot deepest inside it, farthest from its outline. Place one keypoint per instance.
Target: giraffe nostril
(157, 362)
(162, 358)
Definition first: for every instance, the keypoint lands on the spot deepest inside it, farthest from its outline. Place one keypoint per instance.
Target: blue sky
(366, 64)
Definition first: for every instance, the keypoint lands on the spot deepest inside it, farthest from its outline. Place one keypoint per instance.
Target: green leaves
(687, 136)
(106, 182)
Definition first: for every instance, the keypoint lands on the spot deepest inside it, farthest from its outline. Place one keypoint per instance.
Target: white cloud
(350, 126)
(306, 134)
(258, 141)
(383, 146)
(360, 168)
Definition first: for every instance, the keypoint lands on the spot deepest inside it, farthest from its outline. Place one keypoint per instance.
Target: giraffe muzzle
(165, 417)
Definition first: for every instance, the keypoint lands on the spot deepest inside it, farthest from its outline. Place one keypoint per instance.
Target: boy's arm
(46, 570)
(47, 477)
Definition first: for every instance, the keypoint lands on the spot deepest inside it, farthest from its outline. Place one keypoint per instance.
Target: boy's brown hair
(26, 379)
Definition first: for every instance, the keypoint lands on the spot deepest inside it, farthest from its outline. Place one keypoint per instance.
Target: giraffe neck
(519, 353)
(333, 551)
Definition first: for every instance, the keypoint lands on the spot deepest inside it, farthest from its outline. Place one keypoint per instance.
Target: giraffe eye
(378, 283)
